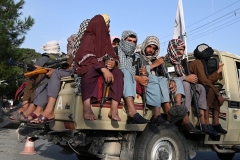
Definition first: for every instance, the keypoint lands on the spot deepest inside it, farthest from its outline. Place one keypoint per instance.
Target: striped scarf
(82, 28)
(77, 79)
(148, 41)
(174, 56)
(70, 44)
(126, 51)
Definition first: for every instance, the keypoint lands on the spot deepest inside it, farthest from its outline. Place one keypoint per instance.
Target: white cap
(52, 47)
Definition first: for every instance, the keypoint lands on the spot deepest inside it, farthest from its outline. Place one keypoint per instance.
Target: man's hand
(108, 76)
(143, 71)
(220, 67)
(110, 64)
(37, 67)
(172, 86)
(157, 63)
(192, 78)
(143, 80)
(50, 71)
(220, 99)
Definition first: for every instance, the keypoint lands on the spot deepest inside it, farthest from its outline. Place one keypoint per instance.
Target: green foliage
(9, 72)
(12, 34)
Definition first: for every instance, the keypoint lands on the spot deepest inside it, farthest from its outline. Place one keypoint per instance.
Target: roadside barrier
(29, 148)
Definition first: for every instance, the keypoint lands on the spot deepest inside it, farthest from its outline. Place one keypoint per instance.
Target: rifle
(54, 64)
(195, 102)
(139, 65)
(105, 91)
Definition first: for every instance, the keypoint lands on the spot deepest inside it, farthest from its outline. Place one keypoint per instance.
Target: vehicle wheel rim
(164, 149)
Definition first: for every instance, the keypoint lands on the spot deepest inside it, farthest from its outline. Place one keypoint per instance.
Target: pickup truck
(107, 139)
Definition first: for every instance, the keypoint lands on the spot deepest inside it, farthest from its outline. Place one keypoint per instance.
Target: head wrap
(52, 47)
(149, 41)
(82, 28)
(125, 52)
(174, 56)
(203, 51)
(95, 44)
(138, 48)
(106, 18)
(70, 44)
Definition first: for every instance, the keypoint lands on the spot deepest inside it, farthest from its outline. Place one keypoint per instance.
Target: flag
(179, 27)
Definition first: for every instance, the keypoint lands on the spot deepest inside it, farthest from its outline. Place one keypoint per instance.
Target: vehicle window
(238, 69)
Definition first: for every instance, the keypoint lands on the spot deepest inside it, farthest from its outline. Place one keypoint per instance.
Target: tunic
(197, 68)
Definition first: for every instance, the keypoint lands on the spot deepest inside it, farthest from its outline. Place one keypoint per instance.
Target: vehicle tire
(161, 142)
(225, 156)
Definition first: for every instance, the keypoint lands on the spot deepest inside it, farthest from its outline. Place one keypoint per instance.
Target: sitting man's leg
(184, 89)
(27, 105)
(153, 98)
(89, 88)
(115, 93)
(40, 100)
(129, 93)
(53, 89)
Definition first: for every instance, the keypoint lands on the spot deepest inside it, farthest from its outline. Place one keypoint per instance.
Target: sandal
(41, 120)
(33, 116)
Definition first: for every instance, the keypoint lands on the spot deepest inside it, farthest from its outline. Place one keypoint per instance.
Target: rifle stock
(194, 99)
(35, 72)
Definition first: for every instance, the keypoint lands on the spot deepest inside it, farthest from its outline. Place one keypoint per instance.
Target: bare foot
(88, 114)
(114, 116)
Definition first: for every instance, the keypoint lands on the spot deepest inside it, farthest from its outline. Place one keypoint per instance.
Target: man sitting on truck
(52, 49)
(125, 51)
(214, 99)
(55, 79)
(90, 64)
(175, 54)
(158, 87)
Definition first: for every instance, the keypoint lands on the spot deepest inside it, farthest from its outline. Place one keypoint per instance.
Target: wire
(209, 31)
(203, 19)
(214, 30)
(213, 14)
(205, 26)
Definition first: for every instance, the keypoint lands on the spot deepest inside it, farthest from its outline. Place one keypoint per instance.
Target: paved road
(10, 149)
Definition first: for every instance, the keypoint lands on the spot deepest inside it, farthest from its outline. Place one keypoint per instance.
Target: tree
(12, 34)
(9, 70)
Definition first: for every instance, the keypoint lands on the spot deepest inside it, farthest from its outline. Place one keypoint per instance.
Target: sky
(214, 22)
